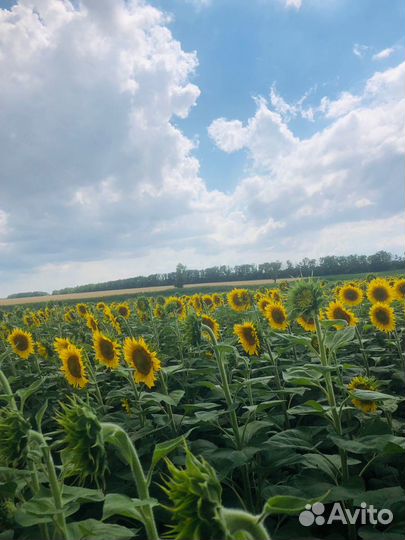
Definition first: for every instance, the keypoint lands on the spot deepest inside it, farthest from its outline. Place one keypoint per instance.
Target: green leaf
(368, 395)
(92, 529)
(288, 505)
(25, 393)
(164, 448)
(116, 504)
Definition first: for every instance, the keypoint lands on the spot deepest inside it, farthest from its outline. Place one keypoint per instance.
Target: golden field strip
(126, 292)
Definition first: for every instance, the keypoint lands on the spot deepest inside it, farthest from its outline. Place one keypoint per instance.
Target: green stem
(116, 436)
(363, 352)
(238, 521)
(7, 389)
(168, 406)
(60, 519)
(137, 397)
(43, 527)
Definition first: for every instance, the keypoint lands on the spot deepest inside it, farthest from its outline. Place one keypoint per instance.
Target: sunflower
(276, 315)
(399, 289)
(142, 304)
(91, 322)
(383, 317)
(307, 323)
(70, 315)
(239, 300)
(263, 302)
(211, 323)
(123, 310)
(41, 350)
(248, 337)
(158, 312)
(207, 301)
(21, 343)
(81, 309)
(337, 311)
(351, 295)
(216, 298)
(60, 344)
(145, 362)
(113, 320)
(175, 305)
(101, 306)
(196, 303)
(126, 405)
(73, 367)
(275, 295)
(28, 319)
(379, 290)
(305, 298)
(364, 383)
(107, 350)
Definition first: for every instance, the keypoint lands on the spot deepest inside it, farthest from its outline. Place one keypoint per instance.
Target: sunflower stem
(135, 390)
(231, 408)
(119, 438)
(363, 351)
(7, 389)
(43, 527)
(168, 405)
(237, 521)
(56, 491)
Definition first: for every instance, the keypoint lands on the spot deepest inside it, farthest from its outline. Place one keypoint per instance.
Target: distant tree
(180, 274)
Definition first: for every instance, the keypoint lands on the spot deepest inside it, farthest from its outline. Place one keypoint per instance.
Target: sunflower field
(205, 417)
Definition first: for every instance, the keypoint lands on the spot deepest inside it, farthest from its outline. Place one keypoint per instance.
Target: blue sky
(136, 134)
(244, 47)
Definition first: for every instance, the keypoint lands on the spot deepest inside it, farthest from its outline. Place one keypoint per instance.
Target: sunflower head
(142, 304)
(124, 310)
(213, 324)
(13, 438)
(307, 323)
(216, 298)
(41, 350)
(144, 361)
(276, 316)
(81, 309)
(240, 300)
(399, 289)
(379, 291)
(195, 496)
(83, 454)
(337, 311)
(364, 383)
(383, 317)
(248, 337)
(73, 367)
(351, 295)
(263, 302)
(60, 344)
(22, 343)
(284, 285)
(91, 322)
(159, 311)
(107, 350)
(304, 298)
(175, 306)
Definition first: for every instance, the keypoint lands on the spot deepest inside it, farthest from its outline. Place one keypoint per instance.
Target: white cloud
(360, 50)
(293, 3)
(385, 53)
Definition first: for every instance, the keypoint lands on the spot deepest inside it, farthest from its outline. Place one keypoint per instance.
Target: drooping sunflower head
(13, 438)
(83, 454)
(144, 361)
(175, 306)
(304, 298)
(284, 285)
(248, 337)
(107, 351)
(399, 289)
(276, 315)
(240, 300)
(91, 322)
(307, 323)
(383, 317)
(142, 304)
(364, 383)
(195, 495)
(124, 310)
(213, 324)
(73, 367)
(207, 301)
(337, 311)
(351, 295)
(159, 311)
(22, 343)
(81, 309)
(70, 315)
(379, 290)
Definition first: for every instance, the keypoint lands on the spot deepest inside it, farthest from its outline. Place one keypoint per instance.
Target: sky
(138, 134)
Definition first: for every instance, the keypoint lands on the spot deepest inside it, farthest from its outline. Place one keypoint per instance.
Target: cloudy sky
(137, 134)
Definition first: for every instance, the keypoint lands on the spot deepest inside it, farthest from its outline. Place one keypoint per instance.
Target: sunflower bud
(304, 298)
(192, 330)
(13, 437)
(84, 453)
(195, 494)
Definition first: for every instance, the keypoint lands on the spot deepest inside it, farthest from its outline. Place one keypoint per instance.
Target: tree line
(325, 266)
